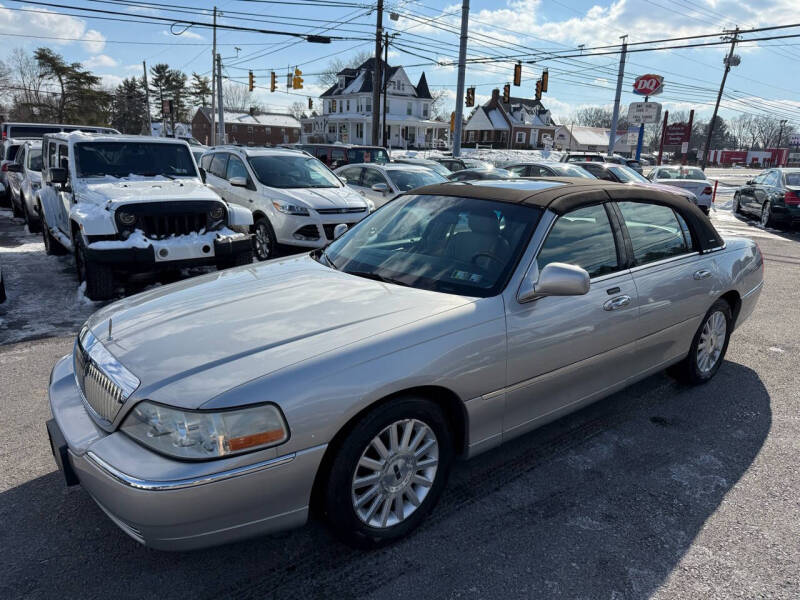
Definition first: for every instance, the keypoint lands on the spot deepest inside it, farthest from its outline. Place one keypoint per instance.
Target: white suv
(296, 200)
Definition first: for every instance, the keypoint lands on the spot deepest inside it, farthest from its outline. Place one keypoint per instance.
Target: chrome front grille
(104, 383)
(341, 211)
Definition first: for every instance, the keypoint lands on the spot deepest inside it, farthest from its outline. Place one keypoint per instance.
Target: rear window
(35, 160)
(367, 155)
(409, 180)
(681, 173)
(793, 179)
(31, 131)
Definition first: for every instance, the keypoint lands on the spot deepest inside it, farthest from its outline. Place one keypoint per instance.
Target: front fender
(238, 216)
(93, 219)
(48, 198)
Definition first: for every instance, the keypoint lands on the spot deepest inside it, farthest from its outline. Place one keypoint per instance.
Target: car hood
(112, 191)
(319, 198)
(195, 339)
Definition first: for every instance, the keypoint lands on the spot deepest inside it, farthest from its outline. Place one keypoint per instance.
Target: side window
(63, 156)
(584, 238)
(20, 160)
(205, 162)
(353, 175)
(51, 155)
(537, 171)
(654, 230)
(218, 164)
(236, 168)
(597, 171)
(371, 177)
(519, 170)
(761, 177)
(772, 178)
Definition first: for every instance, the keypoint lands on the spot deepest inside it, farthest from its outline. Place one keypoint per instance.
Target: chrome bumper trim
(755, 289)
(178, 484)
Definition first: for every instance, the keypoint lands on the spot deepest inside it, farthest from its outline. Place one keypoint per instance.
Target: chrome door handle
(617, 303)
(702, 274)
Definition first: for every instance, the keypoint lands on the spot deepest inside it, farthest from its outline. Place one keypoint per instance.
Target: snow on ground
(494, 156)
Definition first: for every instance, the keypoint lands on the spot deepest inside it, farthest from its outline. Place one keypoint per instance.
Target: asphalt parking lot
(660, 491)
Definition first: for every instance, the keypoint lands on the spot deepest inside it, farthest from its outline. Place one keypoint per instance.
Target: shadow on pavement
(601, 504)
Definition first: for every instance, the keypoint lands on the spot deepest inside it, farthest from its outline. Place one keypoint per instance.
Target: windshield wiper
(376, 277)
(328, 260)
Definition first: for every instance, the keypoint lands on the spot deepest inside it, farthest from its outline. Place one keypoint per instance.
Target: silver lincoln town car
(453, 319)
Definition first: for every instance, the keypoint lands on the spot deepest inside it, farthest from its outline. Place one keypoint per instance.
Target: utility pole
(612, 136)
(385, 85)
(462, 67)
(214, 80)
(220, 109)
(730, 61)
(376, 77)
(147, 100)
(780, 135)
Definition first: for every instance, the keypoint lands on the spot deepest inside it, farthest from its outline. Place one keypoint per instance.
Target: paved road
(660, 491)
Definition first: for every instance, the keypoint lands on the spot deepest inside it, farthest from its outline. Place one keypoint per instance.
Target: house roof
(359, 80)
(590, 136)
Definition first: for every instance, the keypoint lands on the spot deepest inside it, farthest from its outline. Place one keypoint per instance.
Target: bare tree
(767, 129)
(738, 128)
(297, 109)
(30, 98)
(328, 77)
(592, 116)
(237, 97)
(438, 109)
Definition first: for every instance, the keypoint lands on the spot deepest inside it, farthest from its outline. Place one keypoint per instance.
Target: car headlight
(216, 213)
(35, 185)
(199, 435)
(126, 218)
(290, 209)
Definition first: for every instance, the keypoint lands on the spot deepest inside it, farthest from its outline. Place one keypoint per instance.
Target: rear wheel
(389, 472)
(708, 346)
(767, 219)
(99, 278)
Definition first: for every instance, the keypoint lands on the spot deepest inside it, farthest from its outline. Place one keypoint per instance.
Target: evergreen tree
(129, 112)
(200, 90)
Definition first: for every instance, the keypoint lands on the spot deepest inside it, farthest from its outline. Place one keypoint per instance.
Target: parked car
(424, 162)
(337, 155)
(8, 154)
(624, 174)
(459, 164)
(132, 203)
(25, 180)
(572, 156)
(381, 183)
(448, 322)
(480, 173)
(547, 169)
(295, 199)
(37, 130)
(773, 196)
(687, 178)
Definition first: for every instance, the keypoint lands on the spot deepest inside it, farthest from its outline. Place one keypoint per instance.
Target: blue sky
(765, 80)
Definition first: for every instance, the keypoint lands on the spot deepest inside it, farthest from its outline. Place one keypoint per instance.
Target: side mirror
(238, 181)
(57, 175)
(339, 230)
(556, 279)
(14, 168)
(202, 173)
(750, 182)
(380, 187)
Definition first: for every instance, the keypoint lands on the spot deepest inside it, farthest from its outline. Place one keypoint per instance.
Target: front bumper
(168, 255)
(170, 504)
(314, 231)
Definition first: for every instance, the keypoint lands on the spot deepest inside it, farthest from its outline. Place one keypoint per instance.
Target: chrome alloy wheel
(766, 213)
(712, 340)
(262, 241)
(395, 473)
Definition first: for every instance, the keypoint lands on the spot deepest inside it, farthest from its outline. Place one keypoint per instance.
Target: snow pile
(137, 239)
(81, 299)
(495, 156)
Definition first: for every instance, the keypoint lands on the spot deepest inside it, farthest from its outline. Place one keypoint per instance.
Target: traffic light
(518, 74)
(273, 81)
(251, 81)
(538, 89)
(289, 80)
(545, 77)
(297, 81)
(470, 101)
(507, 93)
(310, 104)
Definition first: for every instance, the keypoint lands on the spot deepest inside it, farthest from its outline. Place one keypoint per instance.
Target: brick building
(249, 128)
(519, 123)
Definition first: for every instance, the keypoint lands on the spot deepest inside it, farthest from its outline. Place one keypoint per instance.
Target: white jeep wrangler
(126, 203)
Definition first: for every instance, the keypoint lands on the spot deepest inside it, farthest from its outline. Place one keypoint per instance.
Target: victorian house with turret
(344, 111)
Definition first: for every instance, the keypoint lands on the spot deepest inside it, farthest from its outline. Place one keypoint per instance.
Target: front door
(370, 177)
(65, 196)
(564, 350)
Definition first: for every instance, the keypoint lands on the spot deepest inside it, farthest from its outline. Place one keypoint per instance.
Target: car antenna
(109, 330)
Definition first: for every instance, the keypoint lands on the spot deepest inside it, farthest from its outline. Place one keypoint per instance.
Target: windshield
(571, 171)
(366, 155)
(121, 159)
(471, 163)
(792, 178)
(626, 174)
(295, 171)
(453, 245)
(35, 159)
(409, 180)
(432, 165)
(684, 173)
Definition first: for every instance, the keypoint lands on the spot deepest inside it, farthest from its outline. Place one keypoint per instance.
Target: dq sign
(648, 85)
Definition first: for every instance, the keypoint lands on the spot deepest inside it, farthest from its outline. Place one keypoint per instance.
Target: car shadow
(603, 503)
(787, 232)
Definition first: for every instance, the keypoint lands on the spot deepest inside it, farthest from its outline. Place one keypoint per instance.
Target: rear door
(674, 282)
(565, 349)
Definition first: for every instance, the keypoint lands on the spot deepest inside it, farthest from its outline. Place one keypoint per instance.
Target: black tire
(237, 260)
(15, 210)
(52, 247)
(737, 210)
(264, 244)
(767, 218)
(2, 288)
(99, 278)
(338, 495)
(33, 223)
(688, 370)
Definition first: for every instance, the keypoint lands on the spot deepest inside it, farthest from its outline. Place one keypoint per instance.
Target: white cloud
(96, 41)
(49, 24)
(108, 80)
(100, 60)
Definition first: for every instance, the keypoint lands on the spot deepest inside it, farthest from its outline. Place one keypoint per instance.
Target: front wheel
(99, 278)
(33, 223)
(16, 211)
(52, 247)
(389, 473)
(737, 210)
(708, 346)
(263, 239)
